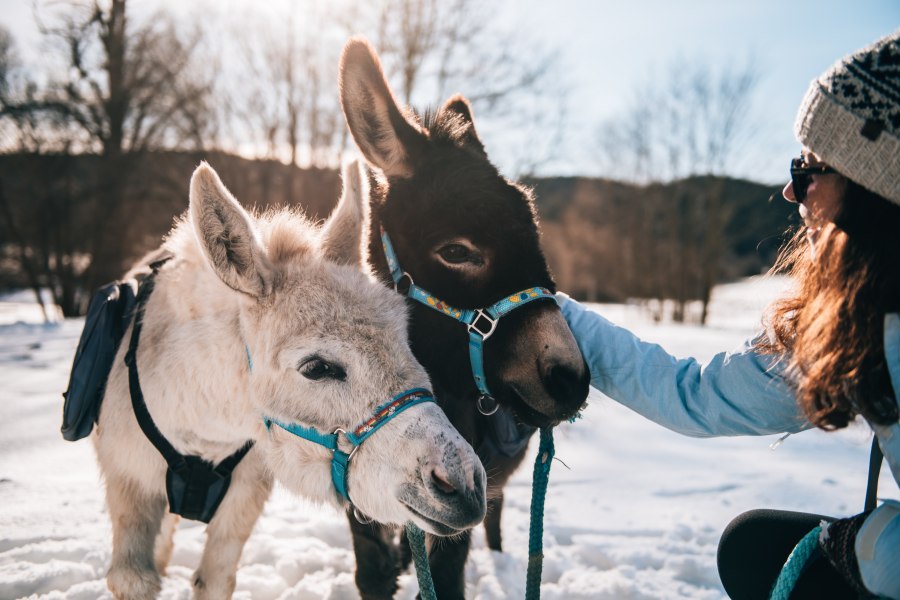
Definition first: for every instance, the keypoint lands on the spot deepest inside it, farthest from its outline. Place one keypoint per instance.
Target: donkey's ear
(227, 235)
(460, 109)
(343, 232)
(386, 138)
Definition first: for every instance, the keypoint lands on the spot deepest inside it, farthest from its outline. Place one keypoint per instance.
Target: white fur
(271, 284)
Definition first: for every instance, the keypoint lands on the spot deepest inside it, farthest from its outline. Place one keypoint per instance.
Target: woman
(831, 351)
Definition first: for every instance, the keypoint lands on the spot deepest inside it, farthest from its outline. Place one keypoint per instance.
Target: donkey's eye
(316, 368)
(454, 253)
(457, 254)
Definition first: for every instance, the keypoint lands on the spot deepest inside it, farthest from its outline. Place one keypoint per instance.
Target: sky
(610, 48)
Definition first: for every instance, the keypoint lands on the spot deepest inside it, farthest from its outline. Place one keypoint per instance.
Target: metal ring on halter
(487, 411)
(405, 292)
(363, 519)
(339, 431)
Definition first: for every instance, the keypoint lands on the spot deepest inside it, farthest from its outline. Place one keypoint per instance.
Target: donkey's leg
(447, 557)
(229, 529)
(165, 542)
(377, 559)
(501, 469)
(492, 522)
(136, 518)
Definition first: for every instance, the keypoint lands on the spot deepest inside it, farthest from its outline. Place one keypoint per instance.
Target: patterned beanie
(850, 117)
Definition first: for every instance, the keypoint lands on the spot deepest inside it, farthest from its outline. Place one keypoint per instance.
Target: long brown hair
(832, 327)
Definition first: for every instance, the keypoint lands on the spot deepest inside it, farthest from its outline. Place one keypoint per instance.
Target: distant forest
(609, 241)
(605, 240)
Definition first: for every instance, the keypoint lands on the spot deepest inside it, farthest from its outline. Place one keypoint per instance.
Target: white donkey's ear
(387, 139)
(227, 236)
(342, 235)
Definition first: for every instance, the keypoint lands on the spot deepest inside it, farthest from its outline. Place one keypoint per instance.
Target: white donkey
(271, 318)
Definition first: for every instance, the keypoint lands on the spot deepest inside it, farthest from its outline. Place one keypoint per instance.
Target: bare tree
(692, 123)
(282, 91)
(131, 88)
(8, 62)
(125, 89)
(434, 48)
(31, 230)
(283, 97)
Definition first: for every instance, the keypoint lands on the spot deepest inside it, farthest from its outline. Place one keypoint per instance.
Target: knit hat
(850, 117)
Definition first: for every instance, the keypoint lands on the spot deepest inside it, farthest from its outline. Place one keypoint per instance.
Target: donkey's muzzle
(544, 376)
(448, 498)
(568, 385)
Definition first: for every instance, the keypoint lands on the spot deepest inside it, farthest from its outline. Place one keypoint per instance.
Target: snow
(634, 513)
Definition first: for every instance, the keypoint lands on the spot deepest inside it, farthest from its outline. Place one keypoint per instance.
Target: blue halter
(480, 322)
(340, 460)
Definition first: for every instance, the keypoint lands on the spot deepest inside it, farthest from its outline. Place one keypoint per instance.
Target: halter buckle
(478, 326)
(405, 292)
(338, 433)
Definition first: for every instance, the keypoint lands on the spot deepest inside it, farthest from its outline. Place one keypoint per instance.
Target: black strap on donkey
(195, 487)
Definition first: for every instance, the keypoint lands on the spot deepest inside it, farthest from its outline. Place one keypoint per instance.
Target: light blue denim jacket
(736, 393)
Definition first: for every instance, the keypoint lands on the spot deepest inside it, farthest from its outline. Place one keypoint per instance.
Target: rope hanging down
(535, 532)
(420, 557)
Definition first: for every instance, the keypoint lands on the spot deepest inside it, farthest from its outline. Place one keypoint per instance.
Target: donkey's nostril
(567, 385)
(441, 481)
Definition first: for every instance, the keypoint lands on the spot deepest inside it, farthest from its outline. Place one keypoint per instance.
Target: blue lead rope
(795, 564)
(416, 539)
(535, 531)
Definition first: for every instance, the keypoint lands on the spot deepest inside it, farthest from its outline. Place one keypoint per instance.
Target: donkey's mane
(444, 126)
(285, 232)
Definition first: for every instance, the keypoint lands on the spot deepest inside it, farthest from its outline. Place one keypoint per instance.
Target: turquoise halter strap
(480, 322)
(340, 460)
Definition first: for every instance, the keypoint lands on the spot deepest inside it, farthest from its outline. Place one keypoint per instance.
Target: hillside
(605, 240)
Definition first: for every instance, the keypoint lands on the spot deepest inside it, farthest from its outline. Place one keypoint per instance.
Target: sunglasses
(801, 176)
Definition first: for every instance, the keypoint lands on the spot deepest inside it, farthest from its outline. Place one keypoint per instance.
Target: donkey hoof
(213, 588)
(133, 584)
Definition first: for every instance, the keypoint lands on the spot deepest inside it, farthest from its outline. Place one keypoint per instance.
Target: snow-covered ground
(636, 515)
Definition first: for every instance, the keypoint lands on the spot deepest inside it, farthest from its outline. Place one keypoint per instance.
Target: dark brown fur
(437, 184)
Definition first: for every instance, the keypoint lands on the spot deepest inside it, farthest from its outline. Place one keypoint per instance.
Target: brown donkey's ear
(387, 139)
(466, 134)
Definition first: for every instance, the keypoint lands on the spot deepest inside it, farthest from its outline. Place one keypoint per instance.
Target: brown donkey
(468, 236)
